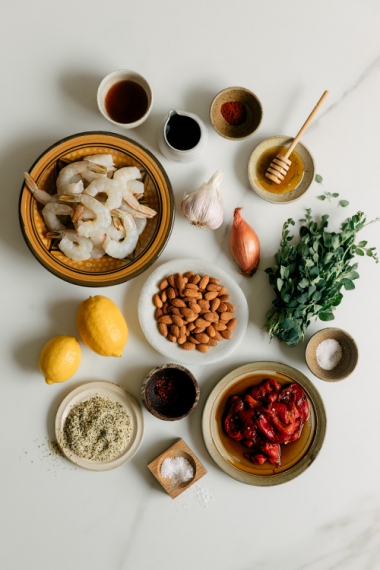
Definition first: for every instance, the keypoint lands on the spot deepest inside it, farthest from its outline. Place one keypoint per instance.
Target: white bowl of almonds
(192, 311)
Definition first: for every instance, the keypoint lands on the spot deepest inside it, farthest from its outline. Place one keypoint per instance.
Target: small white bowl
(117, 77)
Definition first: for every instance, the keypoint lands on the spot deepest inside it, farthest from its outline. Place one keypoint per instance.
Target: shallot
(244, 245)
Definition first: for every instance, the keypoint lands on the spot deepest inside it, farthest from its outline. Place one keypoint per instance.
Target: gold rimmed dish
(157, 195)
(228, 455)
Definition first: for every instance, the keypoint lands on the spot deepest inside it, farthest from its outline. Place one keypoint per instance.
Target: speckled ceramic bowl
(298, 191)
(170, 392)
(157, 194)
(349, 359)
(253, 108)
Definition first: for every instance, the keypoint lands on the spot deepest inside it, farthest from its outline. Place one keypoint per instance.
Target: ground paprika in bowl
(236, 113)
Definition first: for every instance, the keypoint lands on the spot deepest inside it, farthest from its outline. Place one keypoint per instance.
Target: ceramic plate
(157, 194)
(296, 456)
(115, 393)
(308, 175)
(146, 311)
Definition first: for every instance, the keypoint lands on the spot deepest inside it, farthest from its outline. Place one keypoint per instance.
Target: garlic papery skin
(204, 208)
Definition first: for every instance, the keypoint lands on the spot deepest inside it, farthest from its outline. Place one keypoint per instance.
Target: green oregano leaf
(343, 203)
(322, 197)
(318, 178)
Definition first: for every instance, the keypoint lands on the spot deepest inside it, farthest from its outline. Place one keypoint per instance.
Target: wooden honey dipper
(278, 168)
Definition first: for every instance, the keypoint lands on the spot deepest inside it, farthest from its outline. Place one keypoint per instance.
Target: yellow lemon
(59, 359)
(102, 326)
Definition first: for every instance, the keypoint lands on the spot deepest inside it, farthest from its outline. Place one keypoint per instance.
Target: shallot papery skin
(244, 245)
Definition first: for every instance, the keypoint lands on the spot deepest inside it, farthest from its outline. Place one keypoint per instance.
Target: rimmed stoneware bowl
(179, 388)
(347, 363)
(275, 197)
(116, 77)
(115, 393)
(146, 312)
(254, 113)
(296, 457)
(158, 194)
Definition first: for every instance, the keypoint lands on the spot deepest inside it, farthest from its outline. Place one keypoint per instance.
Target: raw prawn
(73, 246)
(120, 249)
(71, 174)
(127, 173)
(101, 221)
(129, 198)
(103, 159)
(109, 187)
(50, 213)
(40, 195)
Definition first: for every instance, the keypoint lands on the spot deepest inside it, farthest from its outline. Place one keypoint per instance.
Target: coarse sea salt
(177, 468)
(329, 353)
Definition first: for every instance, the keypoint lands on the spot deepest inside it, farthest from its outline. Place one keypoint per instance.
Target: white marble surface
(57, 516)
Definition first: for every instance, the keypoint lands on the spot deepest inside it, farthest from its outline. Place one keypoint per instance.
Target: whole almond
(195, 279)
(192, 286)
(165, 308)
(230, 307)
(157, 301)
(188, 346)
(223, 291)
(220, 326)
(177, 302)
(213, 287)
(181, 339)
(174, 311)
(226, 334)
(232, 324)
(213, 280)
(171, 293)
(188, 274)
(210, 331)
(214, 305)
(172, 338)
(223, 297)
(166, 319)
(204, 282)
(158, 313)
(201, 323)
(212, 342)
(194, 307)
(163, 329)
(202, 348)
(226, 316)
(202, 337)
(210, 295)
(208, 317)
(218, 336)
(174, 329)
(190, 327)
(223, 307)
(204, 305)
(188, 313)
(179, 281)
(199, 330)
(164, 296)
(192, 339)
(182, 331)
(163, 284)
(171, 280)
(190, 293)
(177, 320)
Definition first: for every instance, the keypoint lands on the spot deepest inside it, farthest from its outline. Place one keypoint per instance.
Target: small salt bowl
(251, 119)
(130, 102)
(170, 392)
(348, 360)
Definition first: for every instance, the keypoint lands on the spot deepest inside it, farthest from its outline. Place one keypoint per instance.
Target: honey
(291, 453)
(292, 178)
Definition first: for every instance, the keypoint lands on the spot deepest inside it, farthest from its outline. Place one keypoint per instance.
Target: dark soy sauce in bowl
(126, 101)
(182, 133)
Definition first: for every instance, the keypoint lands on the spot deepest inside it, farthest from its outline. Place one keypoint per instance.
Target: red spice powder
(166, 389)
(234, 112)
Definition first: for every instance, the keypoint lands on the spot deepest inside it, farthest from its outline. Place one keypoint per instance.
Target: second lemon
(102, 326)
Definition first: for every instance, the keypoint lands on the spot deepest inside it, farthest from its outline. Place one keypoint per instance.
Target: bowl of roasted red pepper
(264, 423)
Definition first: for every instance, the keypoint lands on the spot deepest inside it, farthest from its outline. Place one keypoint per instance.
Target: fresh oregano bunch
(308, 278)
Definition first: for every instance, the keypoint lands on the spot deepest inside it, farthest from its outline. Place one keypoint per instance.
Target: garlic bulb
(204, 208)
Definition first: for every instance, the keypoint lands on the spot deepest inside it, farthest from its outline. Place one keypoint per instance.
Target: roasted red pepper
(267, 416)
